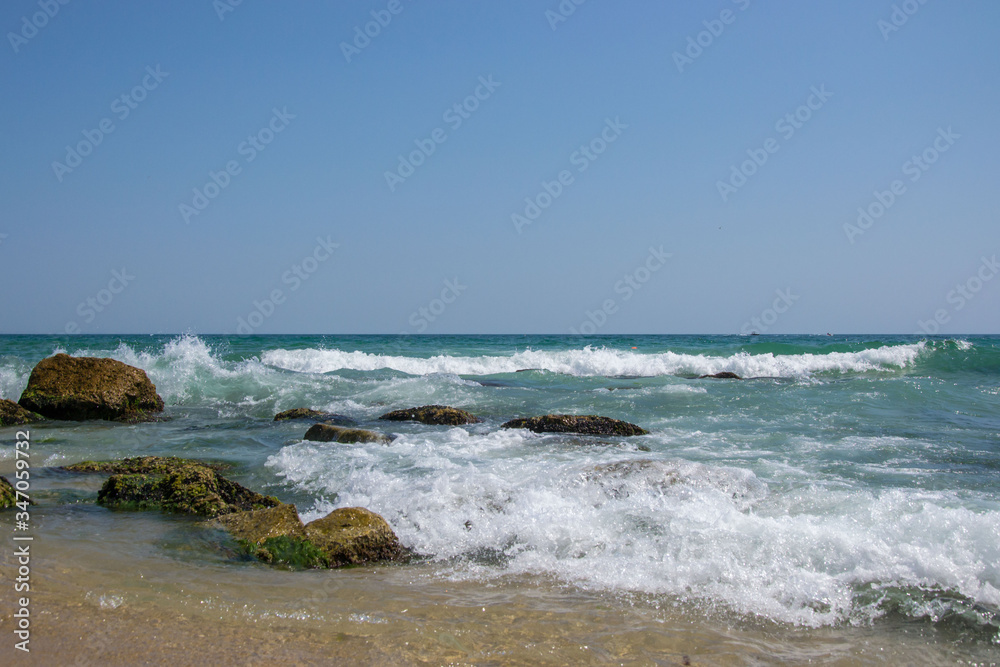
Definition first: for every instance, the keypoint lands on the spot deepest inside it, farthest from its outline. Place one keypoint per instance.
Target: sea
(839, 504)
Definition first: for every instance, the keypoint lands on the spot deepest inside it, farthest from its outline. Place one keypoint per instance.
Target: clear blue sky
(678, 128)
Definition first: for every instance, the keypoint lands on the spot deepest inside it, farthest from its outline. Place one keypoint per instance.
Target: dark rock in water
(186, 489)
(8, 495)
(585, 424)
(724, 375)
(12, 414)
(79, 388)
(315, 415)
(330, 433)
(526, 370)
(346, 536)
(432, 414)
(142, 465)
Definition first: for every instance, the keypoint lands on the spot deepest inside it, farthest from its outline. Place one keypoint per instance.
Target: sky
(409, 166)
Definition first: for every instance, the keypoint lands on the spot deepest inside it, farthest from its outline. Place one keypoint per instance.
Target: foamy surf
(604, 362)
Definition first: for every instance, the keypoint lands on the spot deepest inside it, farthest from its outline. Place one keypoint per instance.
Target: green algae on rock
(8, 496)
(81, 388)
(12, 414)
(432, 414)
(185, 489)
(346, 536)
(142, 465)
(330, 433)
(584, 424)
(354, 535)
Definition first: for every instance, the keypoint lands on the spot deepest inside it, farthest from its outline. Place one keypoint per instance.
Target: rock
(724, 375)
(185, 489)
(585, 424)
(432, 414)
(8, 496)
(12, 414)
(354, 535)
(315, 415)
(142, 465)
(79, 388)
(330, 433)
(346, 536)
(258, 525)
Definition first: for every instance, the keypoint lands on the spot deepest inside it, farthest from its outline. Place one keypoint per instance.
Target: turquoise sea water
(848, 480)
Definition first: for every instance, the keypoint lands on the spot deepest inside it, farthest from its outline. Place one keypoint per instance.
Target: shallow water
(841, 507)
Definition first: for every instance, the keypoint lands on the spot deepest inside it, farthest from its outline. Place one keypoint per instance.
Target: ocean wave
(604, 362)
(493, 505)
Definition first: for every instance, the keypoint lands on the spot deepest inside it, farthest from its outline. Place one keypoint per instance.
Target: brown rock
(330, 433)
(585, 424)
(79, 388)
(432, 414)
(353, 535)
(12, 414)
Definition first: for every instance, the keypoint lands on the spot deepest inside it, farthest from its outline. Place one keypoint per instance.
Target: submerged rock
(346, 536)
(432, 414)
(79, 388)
(12, 414)
(724, 375)
(314, 415)
(142, 465)
(186, 489)
(330, 433)
(8, 496)
(585, 424)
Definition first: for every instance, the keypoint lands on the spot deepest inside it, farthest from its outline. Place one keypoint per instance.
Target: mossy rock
(80, 388)
(354, 535)
(186, 489)
(12, 414)
(346, 536)
(583, 424)
(432, 414)
(8, 496)
(316, 416)
(330, 433)
(142, 465)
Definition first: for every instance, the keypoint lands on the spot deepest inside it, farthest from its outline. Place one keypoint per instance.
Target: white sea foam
(506, 503)
(603, 362)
